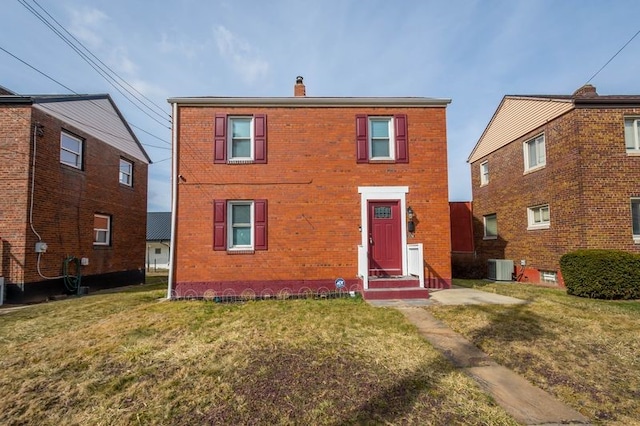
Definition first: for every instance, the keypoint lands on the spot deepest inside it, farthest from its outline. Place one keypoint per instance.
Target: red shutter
(260, 225)
(362, 142)
(260, 138)
(220, 139)
(219, 225)
(402, 141)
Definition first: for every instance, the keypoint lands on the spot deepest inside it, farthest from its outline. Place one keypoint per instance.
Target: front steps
(386, 288)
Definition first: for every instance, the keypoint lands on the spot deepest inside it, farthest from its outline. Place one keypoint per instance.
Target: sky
(473, 52)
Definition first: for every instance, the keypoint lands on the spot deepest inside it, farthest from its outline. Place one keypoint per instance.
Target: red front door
(384, 238)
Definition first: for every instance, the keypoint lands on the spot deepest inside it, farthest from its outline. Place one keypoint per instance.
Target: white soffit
(517, 116)
(98, 118)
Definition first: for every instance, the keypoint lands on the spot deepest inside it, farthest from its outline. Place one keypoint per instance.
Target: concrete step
(393, 282)
(412, 292)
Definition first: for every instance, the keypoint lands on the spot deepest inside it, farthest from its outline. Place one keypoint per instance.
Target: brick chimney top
(586, 91)
(299, 89)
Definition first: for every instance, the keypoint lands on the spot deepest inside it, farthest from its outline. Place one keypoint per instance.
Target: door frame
(381, 193)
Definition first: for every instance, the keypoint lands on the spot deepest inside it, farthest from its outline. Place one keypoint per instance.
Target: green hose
(72, 282)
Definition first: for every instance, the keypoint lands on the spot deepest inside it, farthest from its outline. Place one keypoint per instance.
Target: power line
(104, 74)
(76, 93)
(621, 49)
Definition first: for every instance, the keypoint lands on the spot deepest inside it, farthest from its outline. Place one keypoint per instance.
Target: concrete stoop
(526, 403)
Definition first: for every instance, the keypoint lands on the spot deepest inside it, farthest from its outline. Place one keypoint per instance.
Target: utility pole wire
(621, 49)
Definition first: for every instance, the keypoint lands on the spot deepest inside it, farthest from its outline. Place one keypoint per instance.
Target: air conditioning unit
(500, 270)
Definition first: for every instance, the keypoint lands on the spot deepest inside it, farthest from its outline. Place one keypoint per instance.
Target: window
(490, 227)
(381, 139)
(240, 139)
(101, 230)
(484, 173)
(240, 225)
(126, 172)
(538, 217)
(632, 134)
(534, 153)
(158, 250)
(549, 277)
(635, 219)
(70, 150)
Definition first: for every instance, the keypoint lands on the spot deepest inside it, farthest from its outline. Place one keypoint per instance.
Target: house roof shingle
(158, 226)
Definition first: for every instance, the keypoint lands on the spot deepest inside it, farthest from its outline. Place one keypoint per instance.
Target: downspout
(174, 196)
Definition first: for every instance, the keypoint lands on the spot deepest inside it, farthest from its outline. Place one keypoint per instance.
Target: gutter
(174, 197)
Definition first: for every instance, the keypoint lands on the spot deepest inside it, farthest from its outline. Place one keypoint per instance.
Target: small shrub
(601, 274)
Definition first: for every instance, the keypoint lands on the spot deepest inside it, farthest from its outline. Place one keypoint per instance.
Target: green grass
(584, 351)
(127, 357)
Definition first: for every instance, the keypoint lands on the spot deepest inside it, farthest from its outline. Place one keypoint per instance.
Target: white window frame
(634, 136)
(533, 222)
(484, 173)
(76, 153)
(231, 225)
(97, 241)
(126, 177)
(636, 233)
(484, 223)
(392, 144)
(541, 153)
(230, 138)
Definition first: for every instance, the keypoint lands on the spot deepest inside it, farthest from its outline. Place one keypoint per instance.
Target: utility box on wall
(500, 270)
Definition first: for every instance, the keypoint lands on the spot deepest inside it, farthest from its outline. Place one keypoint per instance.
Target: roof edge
(312, 101)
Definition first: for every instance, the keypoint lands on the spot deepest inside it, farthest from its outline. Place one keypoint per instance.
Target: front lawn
(586, 352)
(126, 357)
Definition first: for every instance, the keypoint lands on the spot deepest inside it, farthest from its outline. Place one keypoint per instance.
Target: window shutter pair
(259, 139)
(220, 225)
(401, 140)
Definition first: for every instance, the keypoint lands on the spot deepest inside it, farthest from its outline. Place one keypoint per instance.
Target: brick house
(552, 174)
(288, 195)
(73, 179)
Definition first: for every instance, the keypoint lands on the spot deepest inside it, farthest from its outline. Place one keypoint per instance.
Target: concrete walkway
(527, 404)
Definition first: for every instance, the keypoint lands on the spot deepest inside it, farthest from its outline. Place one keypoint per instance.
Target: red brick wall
(65, 201)
(587, 182)
(311, 183)
(14, 183)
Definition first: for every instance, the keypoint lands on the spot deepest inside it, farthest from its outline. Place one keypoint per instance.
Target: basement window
(549, 277)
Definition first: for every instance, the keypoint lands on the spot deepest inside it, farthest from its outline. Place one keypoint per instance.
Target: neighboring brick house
(304, 194)
(158, 240)
(73, 185)
(552, 174)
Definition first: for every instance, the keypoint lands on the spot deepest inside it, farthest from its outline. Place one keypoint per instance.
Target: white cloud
(84, 24)
(241, 55)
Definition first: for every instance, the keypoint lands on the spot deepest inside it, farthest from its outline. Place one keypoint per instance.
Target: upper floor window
(538, 217)
(490, 226)
(101, 230)
(240, 225)
(635, 219)
(126, 172)
(240, 139)
(484, 173)
(632, 134)
(380, 138)
(535, 155)
(70, 150)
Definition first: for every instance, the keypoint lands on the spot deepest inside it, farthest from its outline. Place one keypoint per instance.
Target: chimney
(299, 89)
(586, 91)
